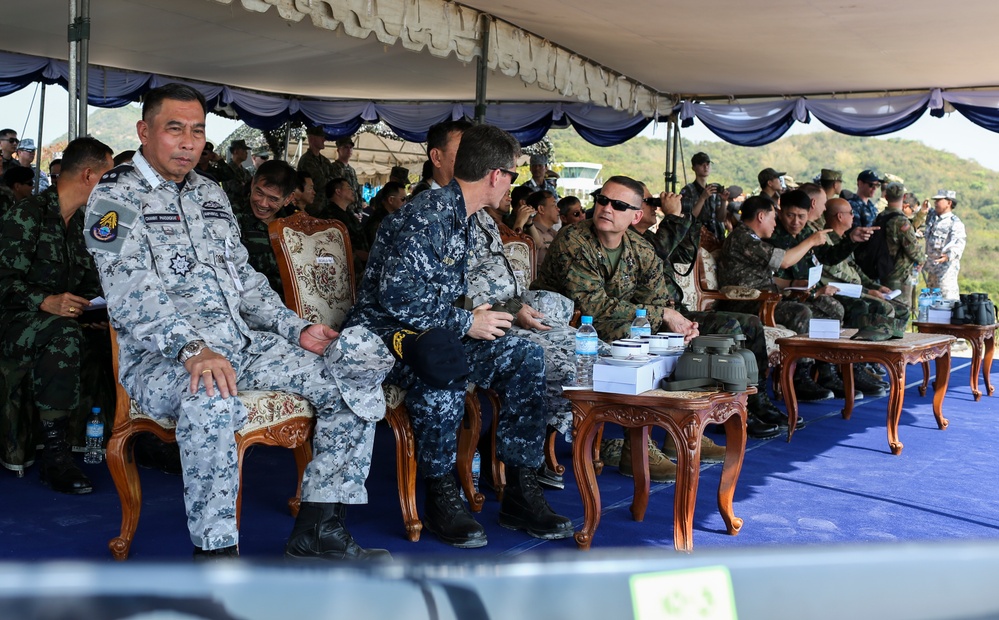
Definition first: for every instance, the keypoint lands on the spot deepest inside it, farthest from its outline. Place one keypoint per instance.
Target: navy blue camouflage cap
(359, 362)
(436, 356)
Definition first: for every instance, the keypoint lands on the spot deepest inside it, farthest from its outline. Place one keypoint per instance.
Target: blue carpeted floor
(836, 482)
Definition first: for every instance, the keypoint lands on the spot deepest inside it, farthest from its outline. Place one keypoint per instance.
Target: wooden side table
(684, 416)
(979, 337)
(894, 354)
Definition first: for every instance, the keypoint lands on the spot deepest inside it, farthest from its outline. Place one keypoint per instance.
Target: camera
(718, 187)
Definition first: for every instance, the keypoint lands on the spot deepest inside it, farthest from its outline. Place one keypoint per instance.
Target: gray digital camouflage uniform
(945, 236)
(416, 273)
(173, 272)
(492, 279)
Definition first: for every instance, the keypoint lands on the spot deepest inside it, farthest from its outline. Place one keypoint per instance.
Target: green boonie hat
(828, 174)
(894, 191)
(873, 333)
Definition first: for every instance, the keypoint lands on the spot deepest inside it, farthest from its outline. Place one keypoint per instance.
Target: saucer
(633, 361)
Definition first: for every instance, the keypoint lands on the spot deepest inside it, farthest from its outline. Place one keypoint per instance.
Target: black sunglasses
(510, 173)
(619, 205)
(12, 140)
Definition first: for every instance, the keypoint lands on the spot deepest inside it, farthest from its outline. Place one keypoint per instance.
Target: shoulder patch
(107, 224)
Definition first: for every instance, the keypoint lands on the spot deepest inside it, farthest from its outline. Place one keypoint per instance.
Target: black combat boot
(767, 412)
(321, 534)
(805, 389)
(58, 469)
(755, 426)
(448, 518)
(868, 384)
(829, 379)
(524, 507)
(216, 555)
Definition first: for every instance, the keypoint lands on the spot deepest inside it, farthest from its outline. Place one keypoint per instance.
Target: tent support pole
(84, 64)
(287, 139)
(482, 68)
(676, 152)
(668, 177)
(38, 145)
(71, 36)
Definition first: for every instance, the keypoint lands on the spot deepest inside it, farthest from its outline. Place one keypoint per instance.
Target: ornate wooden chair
(273, 419)
(317, 271)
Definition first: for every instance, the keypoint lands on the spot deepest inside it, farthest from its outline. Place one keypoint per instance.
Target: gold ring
(72, 309)
(206, 372)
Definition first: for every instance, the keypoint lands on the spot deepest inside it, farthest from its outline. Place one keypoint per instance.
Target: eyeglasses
(12, 140)
(619, 205)
(510, 173)
(576, 213)
(873, 183)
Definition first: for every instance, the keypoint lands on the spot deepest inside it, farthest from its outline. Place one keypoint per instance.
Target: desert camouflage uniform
(321, 171)
(416, 274)
(492, 279)
(908, 251)
(675, 242)
(40, 256)
(256, 238)
(174, 272)
(945, 235)
(340, 170)
(577, 267)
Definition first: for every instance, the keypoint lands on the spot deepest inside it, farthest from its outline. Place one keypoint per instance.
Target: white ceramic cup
(675, 339)
(657, 342)
(628, 348)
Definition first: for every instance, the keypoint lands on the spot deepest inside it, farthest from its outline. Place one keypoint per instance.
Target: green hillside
(924, 169)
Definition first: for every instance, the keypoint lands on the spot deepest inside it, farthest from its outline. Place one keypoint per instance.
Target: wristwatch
(189, 350)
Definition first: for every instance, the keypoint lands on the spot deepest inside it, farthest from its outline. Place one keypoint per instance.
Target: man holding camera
(706, 202)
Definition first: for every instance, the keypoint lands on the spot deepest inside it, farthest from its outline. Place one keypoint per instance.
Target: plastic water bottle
(95, 438)
(935, 296)
(476, 469)
(586, 352)
(640, 326)
(914, 278)
(923, 304)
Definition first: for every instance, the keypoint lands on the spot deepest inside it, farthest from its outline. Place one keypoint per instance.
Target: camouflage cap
(768, 174)
(345, 141)
(891, 178)
(539, 160)
(316, 130)
(789, 182)
(700, 158)
(359, 361)
(949, 194)
(26, 145)
(827, 174)
(894, 191)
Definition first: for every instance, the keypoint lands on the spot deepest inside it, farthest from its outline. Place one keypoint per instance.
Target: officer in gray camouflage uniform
(46, 282)
(946, 238)
(415, 277)
(196, 324)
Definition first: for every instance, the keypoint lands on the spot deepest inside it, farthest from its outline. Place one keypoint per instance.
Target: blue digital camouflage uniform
(864, 211)
(945, 236)
(173, 272)
(549, 184)
(492, 279)
(416, 272)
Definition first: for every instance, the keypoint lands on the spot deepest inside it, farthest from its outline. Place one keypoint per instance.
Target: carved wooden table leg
(940, 387)
(640, 469)
(847, 371)
(688, 453)
(788, 362)
(976, 363)
(990, 345)
(926, 379)
(735, 450)
(582, 463)
(896, 386)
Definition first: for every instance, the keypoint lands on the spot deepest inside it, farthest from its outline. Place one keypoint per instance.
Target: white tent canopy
(637, 56)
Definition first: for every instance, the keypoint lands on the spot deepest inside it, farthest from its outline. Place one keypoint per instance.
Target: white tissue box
(939, 315)
(631, 379)
(823, 328)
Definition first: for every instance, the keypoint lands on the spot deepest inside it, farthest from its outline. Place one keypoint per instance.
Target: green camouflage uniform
(340, 170)
(321, 171)
(254, 235)
(7, 198)
(41, 256)
(849, 272)
(908, 250)
(577, 267)
(235, 180)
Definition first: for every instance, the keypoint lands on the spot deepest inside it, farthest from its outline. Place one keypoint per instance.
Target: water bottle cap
(95, 410)
(587, 320)
(640, 312)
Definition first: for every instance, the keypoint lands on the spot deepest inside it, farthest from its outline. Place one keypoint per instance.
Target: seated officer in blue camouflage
(415, 280)
(196, 324)
(270, 192)
(46, 282)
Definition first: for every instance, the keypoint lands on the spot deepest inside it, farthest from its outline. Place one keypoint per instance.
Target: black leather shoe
(524, 507)
(216, 555)
(321, 534)
(58, 470)
(447, 516)
(866, 383)
(757, 429)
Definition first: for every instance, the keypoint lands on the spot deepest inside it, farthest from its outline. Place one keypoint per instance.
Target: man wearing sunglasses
(8, 146)
(570, 211)
(865, 210)
(416, 280)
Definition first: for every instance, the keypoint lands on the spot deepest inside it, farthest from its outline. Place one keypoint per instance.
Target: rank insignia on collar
(106, 228)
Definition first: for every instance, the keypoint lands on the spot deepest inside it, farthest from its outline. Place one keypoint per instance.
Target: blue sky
(952, 133)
